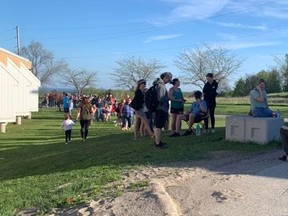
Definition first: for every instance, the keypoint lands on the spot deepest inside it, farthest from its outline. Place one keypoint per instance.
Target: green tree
(244, 86)
(239, 90)
(273, 82)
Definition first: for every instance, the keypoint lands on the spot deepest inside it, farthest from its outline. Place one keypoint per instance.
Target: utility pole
(18, 40)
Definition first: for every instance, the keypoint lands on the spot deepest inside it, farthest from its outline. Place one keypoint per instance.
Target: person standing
(71, 105)
(210, 94)
(84, 113)
(66, 102)
(127, 115)
(138, 105)
(161, 114)
(177, 103)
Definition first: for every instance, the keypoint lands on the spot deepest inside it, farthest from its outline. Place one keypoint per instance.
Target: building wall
(18, 87)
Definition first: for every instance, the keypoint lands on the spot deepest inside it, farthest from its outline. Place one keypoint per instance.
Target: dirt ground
(226, 184)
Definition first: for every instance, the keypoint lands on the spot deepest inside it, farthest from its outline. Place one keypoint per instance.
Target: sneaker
(160, 145)
(66, 143)
(175, 134)
(187, 132)
(283, 158)
(205, 131)
(212, 131)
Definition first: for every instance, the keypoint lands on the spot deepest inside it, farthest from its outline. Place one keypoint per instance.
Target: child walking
(127, 115)
(67, 124)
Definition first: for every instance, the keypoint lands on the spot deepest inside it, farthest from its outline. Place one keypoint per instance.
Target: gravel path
(227, 184)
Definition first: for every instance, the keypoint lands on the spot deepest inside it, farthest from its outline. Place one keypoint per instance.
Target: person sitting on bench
(196, 114)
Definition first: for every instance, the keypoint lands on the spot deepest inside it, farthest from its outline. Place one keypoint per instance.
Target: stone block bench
(244, 128)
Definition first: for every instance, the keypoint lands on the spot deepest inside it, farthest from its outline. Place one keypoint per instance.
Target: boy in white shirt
(67, 124)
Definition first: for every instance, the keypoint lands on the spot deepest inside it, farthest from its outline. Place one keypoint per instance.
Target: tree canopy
(44, 65)
(195, 64)
(131, 69)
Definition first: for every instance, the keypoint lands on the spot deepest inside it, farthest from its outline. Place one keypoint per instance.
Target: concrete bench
(244, 128)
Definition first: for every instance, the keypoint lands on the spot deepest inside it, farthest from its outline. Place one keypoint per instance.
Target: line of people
(148, 122)
(200, 110)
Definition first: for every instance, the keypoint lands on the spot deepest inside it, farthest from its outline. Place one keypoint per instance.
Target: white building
(18, 89)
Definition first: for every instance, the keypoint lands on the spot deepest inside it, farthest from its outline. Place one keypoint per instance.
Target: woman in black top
(210, 94)
(138, 105)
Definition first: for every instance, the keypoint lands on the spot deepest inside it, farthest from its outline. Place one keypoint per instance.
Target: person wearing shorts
(138, 105)
(196, 113)
(177, 103)
(161, 114)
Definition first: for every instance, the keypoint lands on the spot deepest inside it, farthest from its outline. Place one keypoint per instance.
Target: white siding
(8, 91)
(18, 88)
(33, 89)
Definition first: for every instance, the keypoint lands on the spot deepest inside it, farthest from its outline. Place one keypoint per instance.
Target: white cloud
(162, 37)
(242, 26)
(266, 8)
(190, 10)
(250, 44)
(187, 10)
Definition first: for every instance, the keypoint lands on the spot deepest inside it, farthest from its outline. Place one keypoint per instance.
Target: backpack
(85, 112)
(151, 98)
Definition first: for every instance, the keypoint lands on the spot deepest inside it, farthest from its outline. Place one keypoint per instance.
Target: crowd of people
(170, 110)
(134, 112)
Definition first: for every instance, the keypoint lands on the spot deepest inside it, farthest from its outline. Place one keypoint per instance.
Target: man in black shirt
(210, 94)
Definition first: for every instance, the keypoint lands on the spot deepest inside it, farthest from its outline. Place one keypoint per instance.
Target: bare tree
(196, 63)
(44, 65)
(131, 69)
(79, 79)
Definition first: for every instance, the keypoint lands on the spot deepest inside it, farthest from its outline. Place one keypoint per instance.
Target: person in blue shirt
(66, 102)
(127, 115)
(196, 113)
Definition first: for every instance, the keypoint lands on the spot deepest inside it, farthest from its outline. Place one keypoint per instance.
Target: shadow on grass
(19, 160)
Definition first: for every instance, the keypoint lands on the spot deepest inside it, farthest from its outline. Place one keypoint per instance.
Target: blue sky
(92, 34)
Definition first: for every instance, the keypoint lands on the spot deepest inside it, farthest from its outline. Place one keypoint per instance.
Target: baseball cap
(141, 81)
(167, 74)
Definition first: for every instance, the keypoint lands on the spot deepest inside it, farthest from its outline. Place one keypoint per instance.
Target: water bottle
(198, 131)
(278, 115)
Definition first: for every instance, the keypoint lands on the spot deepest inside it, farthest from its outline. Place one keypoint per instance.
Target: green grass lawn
(37, 170)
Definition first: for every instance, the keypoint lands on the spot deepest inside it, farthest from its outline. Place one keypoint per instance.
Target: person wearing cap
(258, 101)
(138, 105)
(161, 114)
(210, 94)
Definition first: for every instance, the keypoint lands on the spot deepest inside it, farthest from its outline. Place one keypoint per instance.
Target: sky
(93, 35)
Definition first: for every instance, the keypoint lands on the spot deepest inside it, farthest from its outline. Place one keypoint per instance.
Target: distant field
(272, 100)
